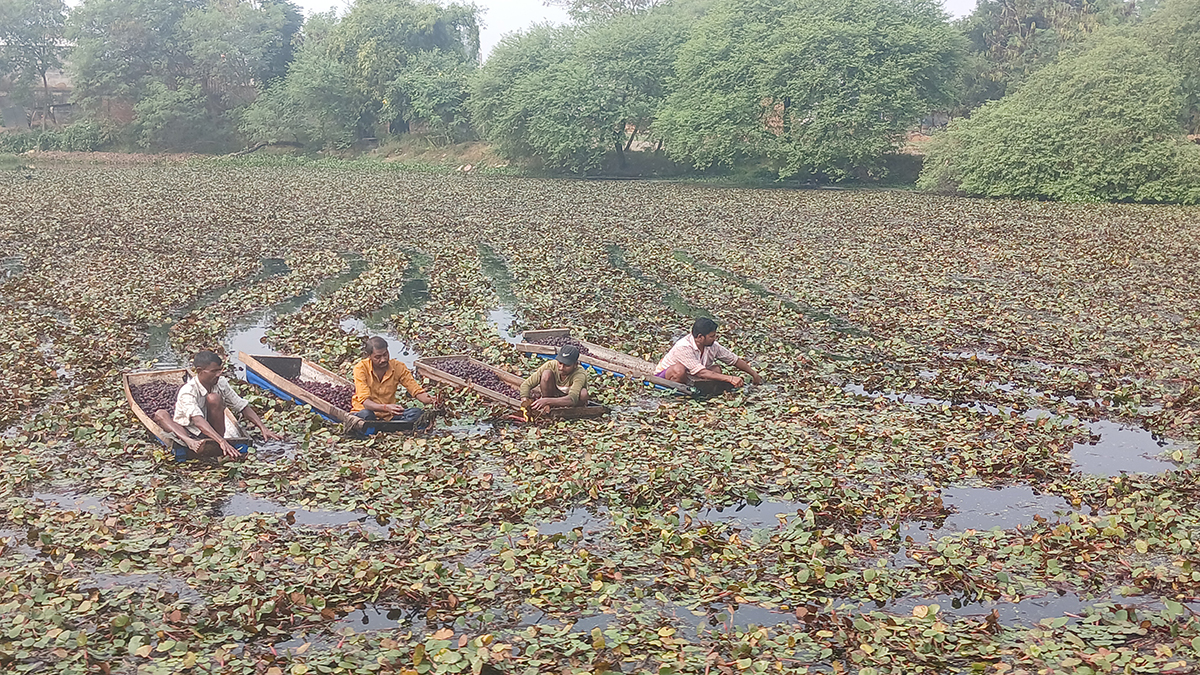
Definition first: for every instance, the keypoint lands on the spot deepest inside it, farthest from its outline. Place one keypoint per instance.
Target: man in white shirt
(200, 408)
(694, 357)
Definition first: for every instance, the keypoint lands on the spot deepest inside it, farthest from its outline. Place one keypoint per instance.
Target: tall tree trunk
(46, 93)
(620, 155)
(632, 136)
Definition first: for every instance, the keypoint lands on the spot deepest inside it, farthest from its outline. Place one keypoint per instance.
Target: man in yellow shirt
(376, 379)
(560, 383)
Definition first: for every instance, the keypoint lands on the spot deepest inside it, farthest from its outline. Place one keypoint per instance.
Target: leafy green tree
(391, 46)
(31, 43)
(233, 48)
(602, 10)
(432, 93)
(1175, 30)
(808, 87)
(572, 97)
(122, 46)
(315, 105)
(1102, 125)
(176, 118)
(1009, 39)
(139, 55)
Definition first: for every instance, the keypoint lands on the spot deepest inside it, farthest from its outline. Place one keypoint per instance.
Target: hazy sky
(505, 16)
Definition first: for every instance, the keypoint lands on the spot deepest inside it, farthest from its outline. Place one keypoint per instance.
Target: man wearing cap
(560, 383)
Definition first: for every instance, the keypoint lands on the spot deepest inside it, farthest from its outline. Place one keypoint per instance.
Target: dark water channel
(158, 347)
(248, 333)
(671, 297)
(837, 324)
(504, 316)
(413, 294)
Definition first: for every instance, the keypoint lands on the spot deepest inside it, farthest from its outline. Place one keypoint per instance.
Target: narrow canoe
(275, 374)
(428, 367)
(601, 359)
(175, 376)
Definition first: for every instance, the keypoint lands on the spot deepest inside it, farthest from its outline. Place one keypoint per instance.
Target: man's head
(376, 349)
(568, 359)
(208, 367)
(704, 331)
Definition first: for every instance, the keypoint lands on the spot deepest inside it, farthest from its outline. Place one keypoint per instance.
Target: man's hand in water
(269, 435)
(758, 379)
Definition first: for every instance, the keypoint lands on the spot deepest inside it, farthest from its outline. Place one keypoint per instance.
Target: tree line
(1061, 99)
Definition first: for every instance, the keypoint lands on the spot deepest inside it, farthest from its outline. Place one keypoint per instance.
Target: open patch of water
(70, 500)
(1121, 449)
(750, 516)
(276, 451)
(505, 322)
(577, 519)
(17, 542)
(1027, 611)
(969, 355)
(465, 429)
(979, 508)
(910, 399)
(242, 504)
(375, 618)
(11, 266)
(146, 583)
(302, 644)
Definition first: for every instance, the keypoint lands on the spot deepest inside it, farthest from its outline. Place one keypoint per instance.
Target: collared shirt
(573, 384)
(693, 358)
(189, 403)
(369, 387)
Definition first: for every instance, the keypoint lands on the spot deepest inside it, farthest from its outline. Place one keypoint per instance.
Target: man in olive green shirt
(560, 383)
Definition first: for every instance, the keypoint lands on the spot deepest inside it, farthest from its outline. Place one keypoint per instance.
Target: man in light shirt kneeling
(200, 406)
(694, 359)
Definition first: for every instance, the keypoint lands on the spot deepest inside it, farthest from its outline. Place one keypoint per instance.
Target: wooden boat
(428, 367)
(174, 445)
(275, 374)
(601, 359)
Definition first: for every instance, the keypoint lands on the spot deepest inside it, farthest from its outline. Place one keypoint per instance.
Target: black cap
(568, 355)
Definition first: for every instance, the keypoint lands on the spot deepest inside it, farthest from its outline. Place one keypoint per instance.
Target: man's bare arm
(744, 366)
(252, 415)
(207, 430)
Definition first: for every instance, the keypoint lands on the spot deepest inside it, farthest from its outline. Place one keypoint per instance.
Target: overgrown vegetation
(1071, 133)
(797, 90)
(935, 367)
